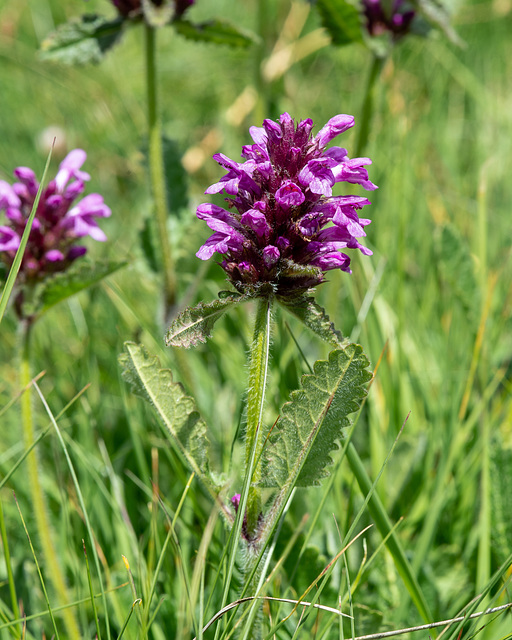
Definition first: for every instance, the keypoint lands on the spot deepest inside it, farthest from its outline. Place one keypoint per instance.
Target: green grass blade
(82, 504)
(384, 526)
(93, 604)
(38, 570)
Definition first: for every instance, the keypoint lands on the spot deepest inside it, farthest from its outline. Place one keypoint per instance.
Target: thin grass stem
(10, 577)
(384, 526)
(36, 492)
(38, 570)
(93, 604)
(81, 501)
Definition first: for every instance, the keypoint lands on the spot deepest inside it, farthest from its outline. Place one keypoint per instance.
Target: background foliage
(434, 303)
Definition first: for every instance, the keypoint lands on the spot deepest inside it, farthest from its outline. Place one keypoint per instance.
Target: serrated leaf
(456, 268)
(342, 20)
(176, 410)
(215, 31)
(314, 419)
(82, 41)
(195, 324)
(79, 276)
(314, 317)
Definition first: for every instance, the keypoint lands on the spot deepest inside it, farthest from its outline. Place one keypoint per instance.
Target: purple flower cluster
(396, 19)
(285, 227)
(133, 8)
(58, 223)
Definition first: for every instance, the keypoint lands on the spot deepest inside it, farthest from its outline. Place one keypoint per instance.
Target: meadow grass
(432, 307)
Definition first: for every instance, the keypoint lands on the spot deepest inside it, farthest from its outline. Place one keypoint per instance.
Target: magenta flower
(395, 19)
(57, 225)
(133, 8)
(284, 227)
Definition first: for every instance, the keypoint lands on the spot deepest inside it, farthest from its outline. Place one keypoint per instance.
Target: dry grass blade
(236, 603)
(433, 625)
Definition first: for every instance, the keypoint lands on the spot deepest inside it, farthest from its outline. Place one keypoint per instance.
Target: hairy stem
(157, 171)
(53, 569)
(258, 373)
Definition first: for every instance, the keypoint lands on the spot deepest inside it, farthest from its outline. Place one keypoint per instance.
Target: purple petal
(8, 197)
(353, 227)
(256, 221)
(92, 205)
(28, 178)
(309, 224)
(337, 153)
(305, 127)
(219, 242)
(353, 171)
(207, 210)
(318, 176)
(333, 128)
(70, 168)
(54, 256)
(9, 239)
(259, 135)
(76, 252)
(332, 260)
(289, 195)
(271, 255)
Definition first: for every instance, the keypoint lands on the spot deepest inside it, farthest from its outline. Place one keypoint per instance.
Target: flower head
(58, 223)
(133, 8)
(284, 227)
(396, 18)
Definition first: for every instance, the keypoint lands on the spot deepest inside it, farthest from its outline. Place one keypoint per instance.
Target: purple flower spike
(57, 224)
(283, 228)
(133, 8)
(395, 18)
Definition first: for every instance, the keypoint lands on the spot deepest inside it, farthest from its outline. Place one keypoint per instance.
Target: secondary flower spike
(58, 223)
(395, 18)
(284, 228)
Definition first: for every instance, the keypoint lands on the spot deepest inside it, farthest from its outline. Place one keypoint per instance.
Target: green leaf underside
(195, 324)
(81, 275)
(314, 317)
(82, 41)
(342, 20)
(215, 31)
(176, 410)
(314, 418)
